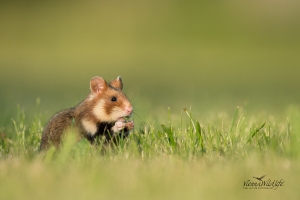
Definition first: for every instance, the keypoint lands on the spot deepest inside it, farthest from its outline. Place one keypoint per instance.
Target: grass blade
(186, 111)
(199, 136)
(170, 134)
(255, 132)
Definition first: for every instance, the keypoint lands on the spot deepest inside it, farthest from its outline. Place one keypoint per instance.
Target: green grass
(182, 158)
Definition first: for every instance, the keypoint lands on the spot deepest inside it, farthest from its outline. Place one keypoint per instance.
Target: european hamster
(101, 113)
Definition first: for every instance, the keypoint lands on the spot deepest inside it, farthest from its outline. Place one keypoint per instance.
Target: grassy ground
(183, 158)
(234, 66)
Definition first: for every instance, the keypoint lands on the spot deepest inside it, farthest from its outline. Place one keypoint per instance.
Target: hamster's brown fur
(101, 113)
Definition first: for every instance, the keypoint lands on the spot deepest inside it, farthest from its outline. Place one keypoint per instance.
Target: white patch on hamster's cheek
(99, 112)
(90, 127)
(117, 113)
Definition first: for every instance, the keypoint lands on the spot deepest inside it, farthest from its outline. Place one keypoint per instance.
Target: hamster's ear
(98, 84)
(117, 83)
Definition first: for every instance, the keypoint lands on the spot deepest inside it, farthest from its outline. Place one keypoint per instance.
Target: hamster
(101, 113)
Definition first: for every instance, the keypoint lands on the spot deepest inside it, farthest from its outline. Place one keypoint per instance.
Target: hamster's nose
(129, 110)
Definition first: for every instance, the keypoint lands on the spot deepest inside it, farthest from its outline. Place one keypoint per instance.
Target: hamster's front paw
(129, 125)
(119, 125)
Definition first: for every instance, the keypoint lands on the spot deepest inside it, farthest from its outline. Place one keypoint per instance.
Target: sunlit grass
(183, 136)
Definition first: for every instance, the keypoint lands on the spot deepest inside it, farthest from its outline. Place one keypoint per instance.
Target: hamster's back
(55, 128)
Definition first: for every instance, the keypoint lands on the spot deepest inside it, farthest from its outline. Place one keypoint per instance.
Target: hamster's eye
(114, 99)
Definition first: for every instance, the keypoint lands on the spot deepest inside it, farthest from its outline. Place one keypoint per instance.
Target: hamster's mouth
(124, 119)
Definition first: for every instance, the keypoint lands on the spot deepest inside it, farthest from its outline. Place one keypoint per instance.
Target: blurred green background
(204, 54)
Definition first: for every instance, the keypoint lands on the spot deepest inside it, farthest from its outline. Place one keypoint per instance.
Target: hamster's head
(109, 102)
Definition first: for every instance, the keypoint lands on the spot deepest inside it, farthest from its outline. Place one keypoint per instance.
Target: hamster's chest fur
(105, 131)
